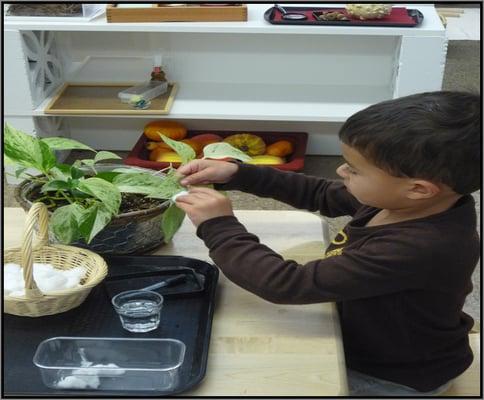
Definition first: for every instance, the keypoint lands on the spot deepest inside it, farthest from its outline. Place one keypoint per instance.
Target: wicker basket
(35, 303)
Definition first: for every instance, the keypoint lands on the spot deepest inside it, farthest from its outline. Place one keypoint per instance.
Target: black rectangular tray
(313, 13)
(186, 315)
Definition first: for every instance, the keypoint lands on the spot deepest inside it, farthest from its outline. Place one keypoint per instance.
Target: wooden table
(258, 348)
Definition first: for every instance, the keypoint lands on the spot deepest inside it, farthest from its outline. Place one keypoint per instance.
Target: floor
(462, 72)
(465, 26)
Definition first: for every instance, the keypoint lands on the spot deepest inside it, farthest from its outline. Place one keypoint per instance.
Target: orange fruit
(195, 145)
(207, 138)
(168, 156)
(280, 148)
(157, 152)
(172, 129)
(153, 145)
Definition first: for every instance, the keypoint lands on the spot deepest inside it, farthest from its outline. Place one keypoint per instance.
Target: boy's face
(371, 185)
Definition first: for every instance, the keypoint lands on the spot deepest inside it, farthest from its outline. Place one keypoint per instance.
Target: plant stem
(65, 197)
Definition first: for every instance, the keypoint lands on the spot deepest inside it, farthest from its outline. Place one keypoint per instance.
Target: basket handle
(38, 211)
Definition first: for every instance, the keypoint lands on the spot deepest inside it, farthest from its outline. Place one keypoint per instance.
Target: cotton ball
(50, 283)
(44, 271)
(115, 370)
(17, 293)
(79, 382)
(74, 276)
(49, 278)
(13, 281)
(71, 382)
(90, 376)
(11, 268)
(85, 371)
(182, 193)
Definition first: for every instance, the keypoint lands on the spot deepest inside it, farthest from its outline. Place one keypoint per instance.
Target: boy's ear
(422, 189)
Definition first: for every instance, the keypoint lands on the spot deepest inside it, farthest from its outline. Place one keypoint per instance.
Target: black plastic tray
(312, 14)
(186, 315)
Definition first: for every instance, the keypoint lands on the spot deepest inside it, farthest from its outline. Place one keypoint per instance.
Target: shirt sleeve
(329, 197)
(367, 272)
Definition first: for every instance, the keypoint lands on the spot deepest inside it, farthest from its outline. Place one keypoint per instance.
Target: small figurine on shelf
(157, 74)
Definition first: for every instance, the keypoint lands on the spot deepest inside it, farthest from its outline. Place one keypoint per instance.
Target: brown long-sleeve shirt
(399, 288)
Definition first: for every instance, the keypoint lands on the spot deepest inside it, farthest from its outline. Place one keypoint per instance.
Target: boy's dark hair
(434, 136)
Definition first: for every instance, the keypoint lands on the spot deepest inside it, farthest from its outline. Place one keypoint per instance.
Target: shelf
(229, 101)
(102, 99)
(255, 24)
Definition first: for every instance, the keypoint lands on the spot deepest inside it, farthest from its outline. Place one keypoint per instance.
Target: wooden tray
(102, 98)
(183, 13)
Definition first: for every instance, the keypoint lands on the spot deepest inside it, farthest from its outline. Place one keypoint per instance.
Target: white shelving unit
(232, 75)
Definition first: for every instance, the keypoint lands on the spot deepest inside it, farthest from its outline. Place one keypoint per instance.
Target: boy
(401, 269)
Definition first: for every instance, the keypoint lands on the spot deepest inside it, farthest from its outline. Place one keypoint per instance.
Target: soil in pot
(130, 202)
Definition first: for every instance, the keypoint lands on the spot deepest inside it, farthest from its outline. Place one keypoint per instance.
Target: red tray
(399, 17)
(295, 161)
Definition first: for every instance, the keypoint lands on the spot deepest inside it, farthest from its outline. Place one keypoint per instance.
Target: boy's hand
(203, 172)
(202, 204)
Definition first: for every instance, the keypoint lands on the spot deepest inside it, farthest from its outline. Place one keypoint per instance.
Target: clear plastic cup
(138, 310)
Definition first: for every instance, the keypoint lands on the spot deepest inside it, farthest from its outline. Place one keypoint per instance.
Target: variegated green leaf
(185, 152)
(93, 221)
(138, 183)
(102, 190)
(61, 143)
(171, 221)
(221, 150)
(64, 223)
(105, 155)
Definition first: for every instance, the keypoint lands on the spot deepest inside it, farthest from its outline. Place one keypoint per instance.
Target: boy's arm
(328, 197)
(376, 270)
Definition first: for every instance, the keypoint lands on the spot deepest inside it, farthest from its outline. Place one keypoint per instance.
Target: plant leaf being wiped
(138, 183)
(222, 150)
(185, 152)
(169, 187)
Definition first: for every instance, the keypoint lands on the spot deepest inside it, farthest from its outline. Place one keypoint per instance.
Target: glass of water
(138, 310)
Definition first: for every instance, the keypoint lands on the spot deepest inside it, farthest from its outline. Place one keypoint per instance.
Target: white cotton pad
(51, 282)
(79, 382)
(46, 276)
(114, 371)
(182, 193)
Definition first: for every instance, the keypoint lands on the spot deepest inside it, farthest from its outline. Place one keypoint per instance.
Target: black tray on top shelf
(399, 17)
(186, 315)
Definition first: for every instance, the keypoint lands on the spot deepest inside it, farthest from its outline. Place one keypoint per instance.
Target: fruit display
(273, 152)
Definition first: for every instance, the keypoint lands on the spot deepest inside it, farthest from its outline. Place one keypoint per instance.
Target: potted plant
(110, 209)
